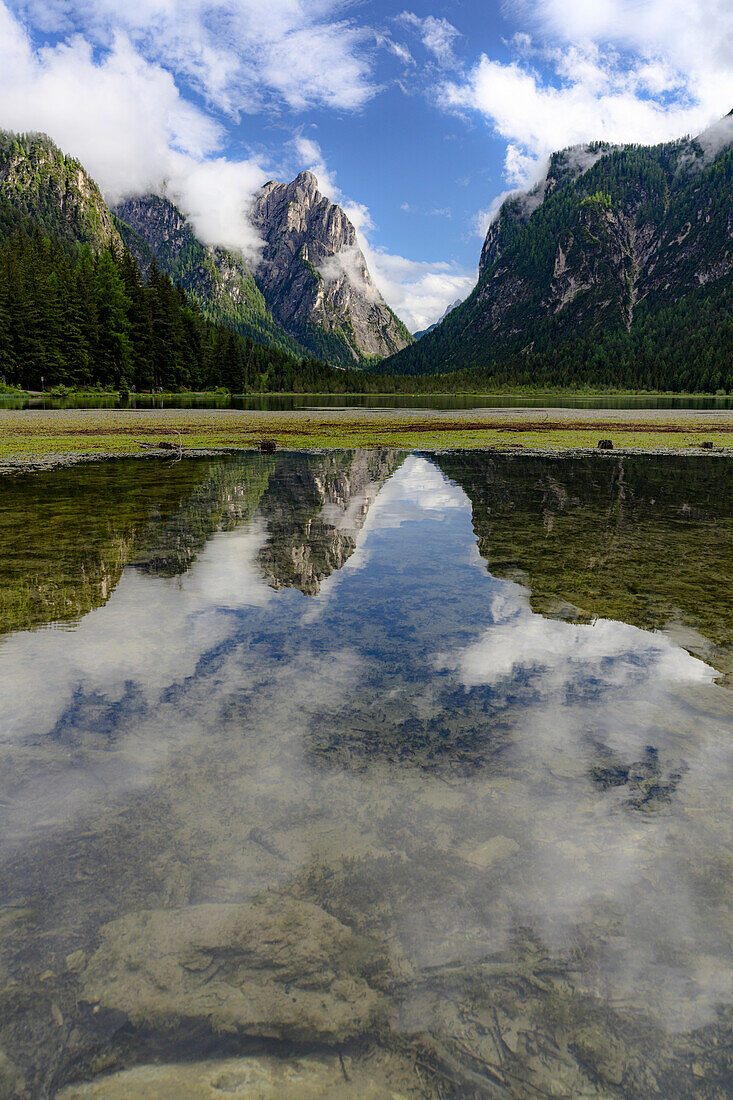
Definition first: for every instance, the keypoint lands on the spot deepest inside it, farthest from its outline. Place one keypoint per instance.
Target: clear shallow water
(286, 402)
(367, 774)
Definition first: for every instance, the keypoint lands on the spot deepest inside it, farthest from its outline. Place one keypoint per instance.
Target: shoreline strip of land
(45, 437)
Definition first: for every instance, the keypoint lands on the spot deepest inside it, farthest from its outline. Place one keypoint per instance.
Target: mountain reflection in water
(311, 802)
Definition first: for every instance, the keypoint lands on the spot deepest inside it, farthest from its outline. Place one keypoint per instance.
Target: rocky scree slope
(610, 239)
(315, 279)
(219, 280)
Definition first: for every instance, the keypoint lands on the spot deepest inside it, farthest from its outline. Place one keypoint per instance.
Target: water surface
(288, 402)
(367, 774)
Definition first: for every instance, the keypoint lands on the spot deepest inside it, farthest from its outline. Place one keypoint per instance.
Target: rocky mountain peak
(308, 183)
(315, 278)
(218, 279)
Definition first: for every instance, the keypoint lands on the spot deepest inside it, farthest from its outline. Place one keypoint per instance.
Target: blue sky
(417, 117)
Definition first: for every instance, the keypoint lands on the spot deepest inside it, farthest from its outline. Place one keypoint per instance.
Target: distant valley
(615, 270)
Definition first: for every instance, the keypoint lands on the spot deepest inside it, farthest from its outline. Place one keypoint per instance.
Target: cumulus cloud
(418, 291)
(694, 38)
(600, 102)
(127, 122)
(239, 54)
(123, 116)
(616, 70)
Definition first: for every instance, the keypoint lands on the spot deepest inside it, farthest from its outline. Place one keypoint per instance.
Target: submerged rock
(12, 1083)
(305, 1078)
(277, 967)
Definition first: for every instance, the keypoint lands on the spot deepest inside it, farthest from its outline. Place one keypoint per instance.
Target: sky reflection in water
(412, 749)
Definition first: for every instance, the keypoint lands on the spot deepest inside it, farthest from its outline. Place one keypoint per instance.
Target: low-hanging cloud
(418, 291)
(127, 122)
(216, 196)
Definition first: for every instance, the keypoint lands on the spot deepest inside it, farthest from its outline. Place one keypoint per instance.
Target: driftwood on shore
(163, 445)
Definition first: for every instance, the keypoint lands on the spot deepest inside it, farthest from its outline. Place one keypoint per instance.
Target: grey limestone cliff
(315, 279)
(218, 279)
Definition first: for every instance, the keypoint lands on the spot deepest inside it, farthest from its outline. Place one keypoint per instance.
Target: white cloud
(121, 115)
(590, 101)
(398, 49)
(418, 291)
(615, 70)
(311, 159)
(694, 37)
(558, 654)
(125, 119)
(437, 35)
(216, 196)
(238, 53)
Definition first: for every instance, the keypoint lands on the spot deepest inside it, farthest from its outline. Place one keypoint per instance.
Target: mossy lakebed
(364, 773)
(30, 437)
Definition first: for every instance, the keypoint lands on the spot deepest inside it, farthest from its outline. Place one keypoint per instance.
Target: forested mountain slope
(617, 270)
(42, 188)
(75, 308)
(218, 280)
(311, 293)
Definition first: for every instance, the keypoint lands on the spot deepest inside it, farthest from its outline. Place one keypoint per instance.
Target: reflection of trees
(66, 535)
(227, 496)
(644, 539)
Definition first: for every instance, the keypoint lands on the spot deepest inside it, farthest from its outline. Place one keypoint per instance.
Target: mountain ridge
(589, 262)
(219, 280)
(315, 279)
(311, 295)
(448, 309)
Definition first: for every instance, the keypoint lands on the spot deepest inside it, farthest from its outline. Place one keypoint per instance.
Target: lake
(367, 774)
(288, 402)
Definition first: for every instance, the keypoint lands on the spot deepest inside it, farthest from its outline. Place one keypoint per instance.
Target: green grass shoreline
(31, 436)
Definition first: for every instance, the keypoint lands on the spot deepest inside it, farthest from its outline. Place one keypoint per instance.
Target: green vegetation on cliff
(616, 274)
(219, 281)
